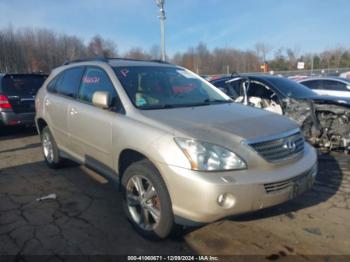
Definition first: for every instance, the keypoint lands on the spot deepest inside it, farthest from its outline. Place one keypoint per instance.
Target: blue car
(325, 120)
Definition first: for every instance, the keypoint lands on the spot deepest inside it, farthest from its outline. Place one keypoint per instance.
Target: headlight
(208, 157)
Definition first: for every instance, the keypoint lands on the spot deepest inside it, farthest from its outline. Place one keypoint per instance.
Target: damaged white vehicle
(325, 120)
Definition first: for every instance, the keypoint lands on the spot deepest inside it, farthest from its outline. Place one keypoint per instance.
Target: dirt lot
(87, 218)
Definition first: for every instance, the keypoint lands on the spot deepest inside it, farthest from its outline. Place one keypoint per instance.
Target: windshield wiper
(160, 106)
(203, 103)
(217, 101)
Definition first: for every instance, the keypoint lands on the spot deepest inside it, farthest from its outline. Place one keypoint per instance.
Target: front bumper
(195, 195)
(9, 118)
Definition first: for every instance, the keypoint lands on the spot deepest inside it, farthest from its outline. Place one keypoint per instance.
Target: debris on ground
(50, 196)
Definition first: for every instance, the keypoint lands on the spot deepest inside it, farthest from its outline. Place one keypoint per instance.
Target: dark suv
(17, 95)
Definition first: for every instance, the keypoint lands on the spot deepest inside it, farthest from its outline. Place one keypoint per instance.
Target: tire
(150, 212)
(50, 150)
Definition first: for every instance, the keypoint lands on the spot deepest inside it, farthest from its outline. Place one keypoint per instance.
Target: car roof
(16, 74)
(336, 78)
(252, 75)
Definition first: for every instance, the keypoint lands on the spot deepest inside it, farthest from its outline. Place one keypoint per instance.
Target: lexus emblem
(290, 145)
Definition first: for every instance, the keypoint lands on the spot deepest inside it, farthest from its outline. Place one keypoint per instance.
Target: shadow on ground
(13, 132)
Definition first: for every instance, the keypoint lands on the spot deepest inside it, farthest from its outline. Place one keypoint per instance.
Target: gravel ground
(87, 217)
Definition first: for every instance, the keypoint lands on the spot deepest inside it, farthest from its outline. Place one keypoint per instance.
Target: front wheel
(146, 200)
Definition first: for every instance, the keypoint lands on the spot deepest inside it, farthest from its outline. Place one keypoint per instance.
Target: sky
(306, 25)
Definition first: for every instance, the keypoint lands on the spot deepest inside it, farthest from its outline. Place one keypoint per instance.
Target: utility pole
(160, 4)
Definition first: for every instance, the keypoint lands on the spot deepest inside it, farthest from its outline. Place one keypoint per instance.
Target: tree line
(28, 50)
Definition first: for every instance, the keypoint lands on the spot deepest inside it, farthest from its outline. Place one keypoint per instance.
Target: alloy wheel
(48, 148)
(143, 202)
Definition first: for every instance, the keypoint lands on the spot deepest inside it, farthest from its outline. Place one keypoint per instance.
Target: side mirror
(102, 99)
(348, 87)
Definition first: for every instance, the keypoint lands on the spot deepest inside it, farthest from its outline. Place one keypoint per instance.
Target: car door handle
(73, 111)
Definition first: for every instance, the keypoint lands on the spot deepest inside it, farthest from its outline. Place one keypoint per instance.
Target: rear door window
(313, 84)
(22, 85)
(68, 84)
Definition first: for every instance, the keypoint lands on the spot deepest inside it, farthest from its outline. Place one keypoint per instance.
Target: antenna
(162, 17)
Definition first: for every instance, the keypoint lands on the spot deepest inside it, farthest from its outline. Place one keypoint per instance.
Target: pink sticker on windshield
(91, 80)
(124, 72)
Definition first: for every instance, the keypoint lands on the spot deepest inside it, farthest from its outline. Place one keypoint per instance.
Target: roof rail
(107, 59)
(159, 61)
(141, 60)
(96, 59)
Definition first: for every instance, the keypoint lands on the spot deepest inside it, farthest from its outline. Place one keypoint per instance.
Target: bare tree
(28, 50)
(262, 50)
(326, 58)
(100, 47)
(338, 54)
(154, 52)
(137, 53)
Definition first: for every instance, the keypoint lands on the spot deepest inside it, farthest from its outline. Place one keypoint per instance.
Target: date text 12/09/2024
(173, 258)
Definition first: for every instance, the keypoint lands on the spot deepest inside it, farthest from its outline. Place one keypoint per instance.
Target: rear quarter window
(334, 85)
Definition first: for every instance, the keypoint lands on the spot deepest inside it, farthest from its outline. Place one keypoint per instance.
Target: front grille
(281, 148)
(276, 187)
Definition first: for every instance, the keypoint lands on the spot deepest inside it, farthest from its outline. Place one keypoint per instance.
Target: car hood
(224, 121)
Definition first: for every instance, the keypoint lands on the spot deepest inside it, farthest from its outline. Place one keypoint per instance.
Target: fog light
(226, 200)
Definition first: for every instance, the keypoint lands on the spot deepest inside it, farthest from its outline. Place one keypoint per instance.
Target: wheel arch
(129, 156)
(40, 123)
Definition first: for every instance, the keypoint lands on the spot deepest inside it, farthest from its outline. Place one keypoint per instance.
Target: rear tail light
(4, 102)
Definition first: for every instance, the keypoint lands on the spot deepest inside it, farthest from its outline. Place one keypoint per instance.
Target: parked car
(17, 94)
(182, 151)
(327, 85)
(345, 75)
(324, 119)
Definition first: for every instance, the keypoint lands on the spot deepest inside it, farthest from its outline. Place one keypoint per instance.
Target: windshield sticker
(91, 80)
(141, 102)
(124, 72)
(186, 74)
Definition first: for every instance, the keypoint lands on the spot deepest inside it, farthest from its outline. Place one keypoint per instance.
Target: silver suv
(183, 151)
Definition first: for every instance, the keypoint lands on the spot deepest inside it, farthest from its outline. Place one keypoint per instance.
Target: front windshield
(291, 88)
(167, 87)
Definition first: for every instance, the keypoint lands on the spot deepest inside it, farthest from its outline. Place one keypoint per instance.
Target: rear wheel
(50, 149)
(146, 200)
